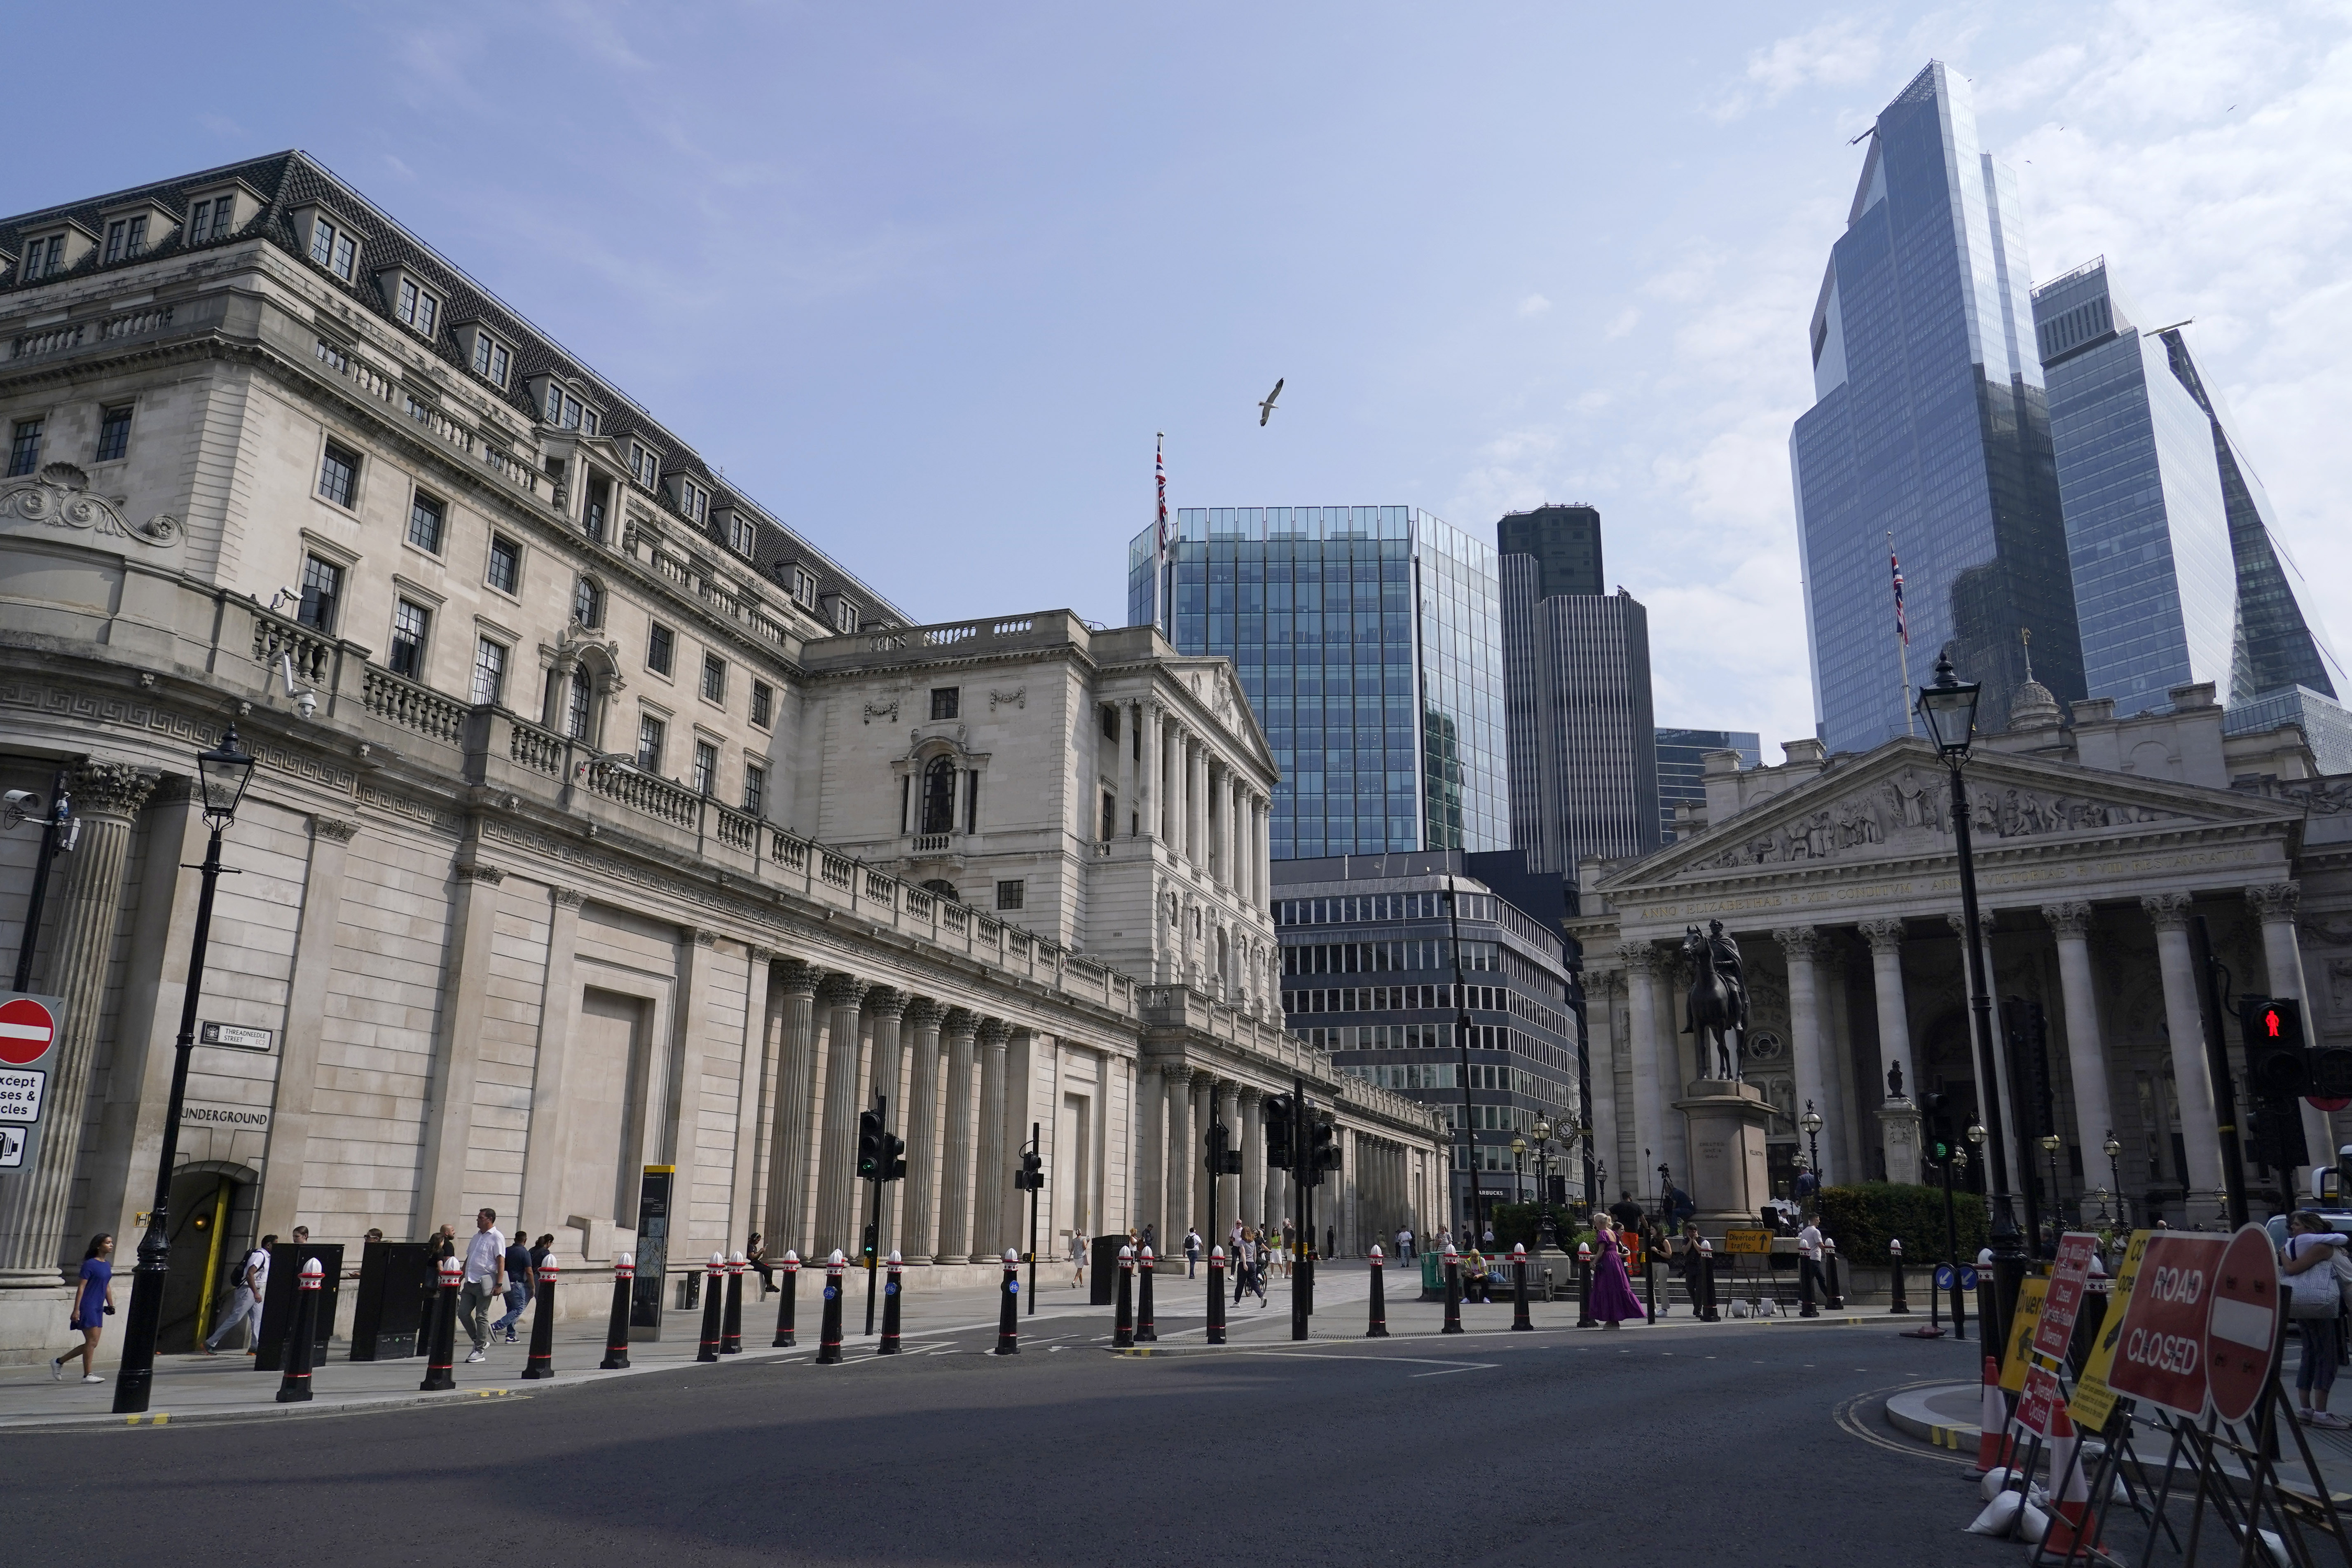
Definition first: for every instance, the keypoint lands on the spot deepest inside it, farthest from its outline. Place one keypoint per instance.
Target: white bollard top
(791, 1257)
(1012, 1258)
(312, 1270)
(736, 1260)
(717, 1261)
(1450, 1253)
(1216, 1254)
(1126, 1253)
(546, 1265)
(451, 1268)
(835, 1261)
(1894, 1245)
(627, 1260)
(1377, 1253)
(1147, 1255)
(1519, 1249)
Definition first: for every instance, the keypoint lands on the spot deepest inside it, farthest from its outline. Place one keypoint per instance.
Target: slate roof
(293, 179)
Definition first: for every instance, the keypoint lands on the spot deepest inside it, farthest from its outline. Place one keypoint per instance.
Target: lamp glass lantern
(1976, 1133)
(1950, 708)
(223, 772)
(1810, 1120)
(2050, 1143)
(2112, 1148)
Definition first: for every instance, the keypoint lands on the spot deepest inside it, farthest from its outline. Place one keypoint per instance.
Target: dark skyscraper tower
(1565, 541)
(1929, 421)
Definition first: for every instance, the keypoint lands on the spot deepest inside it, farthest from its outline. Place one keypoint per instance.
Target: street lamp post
(2114, 1150)
(222, 774)
(2050, 1143)
(1546, 1236)
(1518, 1170)
(1950, 708)
(1811, 1122)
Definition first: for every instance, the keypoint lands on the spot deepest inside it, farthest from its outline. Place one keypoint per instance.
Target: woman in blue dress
(1613, 1300)
(92, 1301)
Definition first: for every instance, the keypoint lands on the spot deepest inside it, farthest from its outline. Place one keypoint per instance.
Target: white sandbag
(1995, 1479)
(2032, 1525)
(1998, 1516)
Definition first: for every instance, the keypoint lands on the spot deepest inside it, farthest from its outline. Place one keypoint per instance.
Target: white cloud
(1534, 305)
(1622, 322)
(1833, 53)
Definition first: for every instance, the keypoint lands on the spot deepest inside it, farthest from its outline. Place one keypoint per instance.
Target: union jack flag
(1902, 625)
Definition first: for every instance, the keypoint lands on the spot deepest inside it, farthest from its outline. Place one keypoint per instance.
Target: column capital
(887, 1002)
(2167, 911)
(926, 1012)
(334, 828)
(116, 789)
(704, 938)
(475, 872)
(1642, 958)
(2071, 920)
(1799, 941)
(1884, 937)
(2274, 901)
(567, 898)
(994, 1032)
(1603, 983)
(841, 990)
(961, 1021)
(1960, 922)
(1248, 1093)
(800, 976)
(759, 956)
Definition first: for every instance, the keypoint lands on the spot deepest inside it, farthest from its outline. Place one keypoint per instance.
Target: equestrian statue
(1717, 1006)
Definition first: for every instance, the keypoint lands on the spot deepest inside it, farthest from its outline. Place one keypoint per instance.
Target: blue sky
(926, 280)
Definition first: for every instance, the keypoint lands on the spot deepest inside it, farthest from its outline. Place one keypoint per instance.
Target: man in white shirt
(486, 1260)
(252, 1279)
(1809, 1278)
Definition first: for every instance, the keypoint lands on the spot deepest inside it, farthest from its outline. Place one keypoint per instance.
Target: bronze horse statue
(1712, 1007)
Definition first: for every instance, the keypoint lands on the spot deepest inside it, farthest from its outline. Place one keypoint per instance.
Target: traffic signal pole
(1298, 1205)
(2217, 1057)
(1033, 1178)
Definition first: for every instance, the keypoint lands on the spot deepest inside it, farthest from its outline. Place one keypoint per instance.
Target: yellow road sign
(1755, 1241)
(2018, 1353)
(2093, 1401)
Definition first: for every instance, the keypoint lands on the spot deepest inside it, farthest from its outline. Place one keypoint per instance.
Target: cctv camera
(306, 704)
(23, 802)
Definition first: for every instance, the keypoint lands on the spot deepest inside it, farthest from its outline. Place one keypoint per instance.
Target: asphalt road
(1741, 1443)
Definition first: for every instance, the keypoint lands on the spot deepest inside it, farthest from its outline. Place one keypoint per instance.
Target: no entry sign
(2160, 1353)
(28, 1029)
(2241, 1335)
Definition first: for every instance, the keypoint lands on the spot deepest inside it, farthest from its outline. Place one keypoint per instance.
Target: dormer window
(804, 587)
(645, 465)
(200, 218)
(217, 213)
(561, 404)
(492, 360)
(742, 534)
(844, 614)
(331, 245)
(59, 250)
(693, 499)
(125, 238)
(416, 306)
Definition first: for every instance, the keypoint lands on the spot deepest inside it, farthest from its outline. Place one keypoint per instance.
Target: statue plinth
(1727, 1122)
(1898, 1124)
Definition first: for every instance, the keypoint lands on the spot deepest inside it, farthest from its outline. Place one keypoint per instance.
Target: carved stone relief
(59, 496)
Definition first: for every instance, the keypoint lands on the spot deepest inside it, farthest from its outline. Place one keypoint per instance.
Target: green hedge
(1862, 1219)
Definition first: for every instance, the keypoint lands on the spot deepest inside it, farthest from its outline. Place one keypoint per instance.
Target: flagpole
(1901, 639)
(1163, 576)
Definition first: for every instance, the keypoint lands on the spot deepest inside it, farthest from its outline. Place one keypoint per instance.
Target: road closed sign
(2160, 1350)
(2241, 1334)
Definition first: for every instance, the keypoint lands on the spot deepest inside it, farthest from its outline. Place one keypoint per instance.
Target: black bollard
(541, 1364)
(294, 1384)
(828, 1333)
(1807, 1268)
(1584, 1318)
(1520, 1321)
(1706, 1279)
(890, 1308)
(1216, 1335)
(441, 1329)
(1453, 1292)
(1144, 1332)
(790, 1293)
(1650, 1286)
(713, 1305)
(730, 1326)
(1379, 1328)
(1122, 1332)
(1829, 1262)
(1900, 1306)
(616, 1332)
(1008, 1315)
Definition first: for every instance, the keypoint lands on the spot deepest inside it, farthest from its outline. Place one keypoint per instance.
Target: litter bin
(388, 1314)
(286, 1260)
(1433, 1277)
(1102, 1258)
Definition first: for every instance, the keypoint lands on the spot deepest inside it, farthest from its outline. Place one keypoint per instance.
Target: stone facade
(649, 884)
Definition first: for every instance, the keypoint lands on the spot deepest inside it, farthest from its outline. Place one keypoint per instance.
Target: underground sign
(2160, 1351)
(2241, 1335)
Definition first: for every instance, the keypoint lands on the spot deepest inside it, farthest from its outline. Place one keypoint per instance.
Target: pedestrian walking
(244, 1299)
(1330, 1241)
(1289, 1247)
(2310, 1254)
(1191, 1253)
(1613, 1300)
(1487, 1236)
(523, 1283)
(443, 1242)
(93, 1299)
(1404, 1243)
(1077, 1260)
(1812, 1285)
(486, 1262)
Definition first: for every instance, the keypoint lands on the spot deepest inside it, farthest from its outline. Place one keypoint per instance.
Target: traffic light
(1223, 1161)
(1323, 1148)
(1936, 1116)
(869, 1145)
(894, 1157)
(1030, 1176)
(1279, 1111)
(2275, 1137)
(2277, 1065)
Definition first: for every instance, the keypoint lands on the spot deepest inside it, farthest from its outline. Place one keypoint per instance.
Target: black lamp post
(1546, 1236)
(222, 774)
(1518, 1170)
(1811, 1122)
(2114, 1150)
(1950, 708)
(2050, 1143)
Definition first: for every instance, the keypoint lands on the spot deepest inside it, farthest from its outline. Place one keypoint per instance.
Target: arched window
(943, 888)
(588, 604)
(939, 795)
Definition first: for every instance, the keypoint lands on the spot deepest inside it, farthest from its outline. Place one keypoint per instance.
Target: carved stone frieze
(60, 496)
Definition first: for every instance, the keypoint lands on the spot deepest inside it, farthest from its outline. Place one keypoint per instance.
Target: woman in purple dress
(1613, 1300)
(92, 1301)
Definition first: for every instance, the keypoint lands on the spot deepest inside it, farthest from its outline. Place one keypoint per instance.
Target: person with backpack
(245, 1302)
(1191, 1253)
(523, 1284)
(2309, 1265)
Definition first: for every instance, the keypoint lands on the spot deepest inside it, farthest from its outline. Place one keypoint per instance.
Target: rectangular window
(339, 472)
(490, 671)
(491, 360)
(1110, 817)
(661, 648)
(571, 419)
(763, 703)
(575, 708)
(418, 307)
(600, 500)
(714, 678)
(693, 499)
(43, 257)
(651, 732)
(706, 768)
(114, 433)
(322, 595)
(118, 237)
(344, 251)
(845, 616)
(506, 564)
(24, 447)
(1008, 893)
(945, 700)
(322, 241)
(643, 466)
(742, 534)
(755, 790)
(424, 518)
(588, 604)
(200, 221)
(408, 622)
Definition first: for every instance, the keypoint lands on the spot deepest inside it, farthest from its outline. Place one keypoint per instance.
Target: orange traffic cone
(2070, 1513)
(1992, 1419)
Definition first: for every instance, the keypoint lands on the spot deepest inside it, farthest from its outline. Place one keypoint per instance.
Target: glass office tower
(1928, 423)
(1369, 642)
(1682, 767)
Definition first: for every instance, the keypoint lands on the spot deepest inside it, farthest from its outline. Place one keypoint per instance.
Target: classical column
(1198, 790)
(1801, 944)
(919, 1222)
(955, 1169)
(2087, 1053)
(457, 1041)
(886, 1010)
(1151, 1144)
(698, 952)
(86, 890)
(2274, 905)
(1643, 988)
(2192, 1082)
(547, 1142)
(1898, 1116)
(1226, 1201)
(788, 1160)
(1171, 790)
(1253, 1137)
(1204, 1105)
(1177, 1211)
(1127, 769)
(1603, 1044)
(993, 1177)
(1837, 1064)
(2002, 1095)
(837, 1176)
(1270, 1199)
(305, 1004)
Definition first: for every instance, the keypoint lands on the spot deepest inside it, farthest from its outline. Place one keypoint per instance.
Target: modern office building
(1682, 767)
(1369, 642)
(1930, 433)
(2178, 575)
(1576, 672)
(1367, 975)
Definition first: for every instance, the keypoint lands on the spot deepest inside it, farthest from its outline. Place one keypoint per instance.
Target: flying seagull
(1265, 409)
